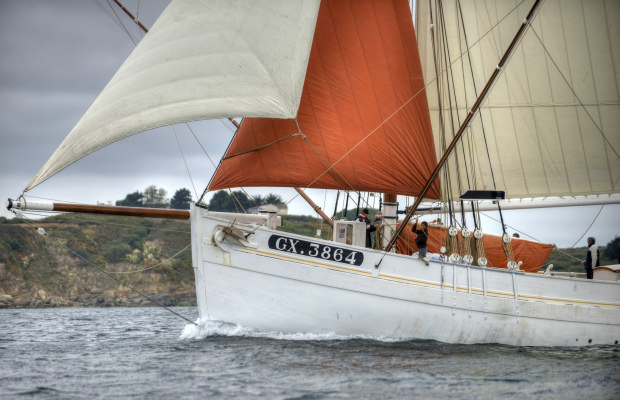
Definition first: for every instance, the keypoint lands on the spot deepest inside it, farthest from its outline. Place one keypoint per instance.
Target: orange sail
(363, 120)
(532, 254)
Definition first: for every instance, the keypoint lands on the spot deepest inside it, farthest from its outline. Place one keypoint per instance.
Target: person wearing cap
(363, 217)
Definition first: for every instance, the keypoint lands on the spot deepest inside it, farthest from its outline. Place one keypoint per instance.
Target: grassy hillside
(65, 267)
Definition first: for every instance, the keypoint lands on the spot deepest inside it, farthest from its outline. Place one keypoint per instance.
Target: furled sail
(532, 254)
(363, 120)
(550, 124)
(202, 59)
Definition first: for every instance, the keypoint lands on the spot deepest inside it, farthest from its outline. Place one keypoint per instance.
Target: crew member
(363, 217)
(421, 237)
(592, 258)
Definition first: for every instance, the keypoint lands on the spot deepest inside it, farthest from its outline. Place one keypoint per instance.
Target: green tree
(612, 250)
(154, 197)
(242, 201)
(259, 200)
(223, 201)
(116, 253)
(181, 199)
(273, 199)
(135, 199)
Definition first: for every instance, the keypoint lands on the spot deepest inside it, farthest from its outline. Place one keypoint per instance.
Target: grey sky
(57, 56)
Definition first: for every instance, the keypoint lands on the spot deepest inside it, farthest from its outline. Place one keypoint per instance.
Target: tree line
(223, 200)
(156, 198)
(238, 201)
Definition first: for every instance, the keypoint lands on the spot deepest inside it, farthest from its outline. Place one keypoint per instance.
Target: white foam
(206, 328)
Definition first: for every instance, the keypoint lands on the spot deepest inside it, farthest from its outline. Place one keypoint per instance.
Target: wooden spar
(24, 205)
(315, 207)
(463, 126)
(122, 7)
(128, 211)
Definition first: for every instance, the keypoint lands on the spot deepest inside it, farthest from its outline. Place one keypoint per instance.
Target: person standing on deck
(421, 237)
(592, 258)
(363, 217)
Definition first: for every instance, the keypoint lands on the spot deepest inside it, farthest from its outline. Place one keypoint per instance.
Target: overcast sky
(58, 55)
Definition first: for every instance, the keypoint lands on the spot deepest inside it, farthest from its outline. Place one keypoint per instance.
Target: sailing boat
(338, 95)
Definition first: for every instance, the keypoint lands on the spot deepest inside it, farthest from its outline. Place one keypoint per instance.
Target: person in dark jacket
(592, 258)
(364, 217)
(421, 237)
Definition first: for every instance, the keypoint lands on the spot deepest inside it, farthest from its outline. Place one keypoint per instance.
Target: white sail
(551, 121)
(229, 59)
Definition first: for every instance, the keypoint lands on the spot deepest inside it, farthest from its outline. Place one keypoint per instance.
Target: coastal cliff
(85, 261)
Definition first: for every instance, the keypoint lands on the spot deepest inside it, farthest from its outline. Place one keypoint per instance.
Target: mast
(464, 125)
(390, 218)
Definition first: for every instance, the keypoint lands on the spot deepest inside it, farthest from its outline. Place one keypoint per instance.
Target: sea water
(150, 353)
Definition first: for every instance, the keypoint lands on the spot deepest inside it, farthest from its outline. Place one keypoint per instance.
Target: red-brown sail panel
(363, 111)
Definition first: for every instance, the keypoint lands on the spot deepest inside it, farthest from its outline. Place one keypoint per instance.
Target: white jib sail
(202, 59)
(550, 125)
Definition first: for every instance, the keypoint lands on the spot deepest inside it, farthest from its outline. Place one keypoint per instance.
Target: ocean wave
(208, 328)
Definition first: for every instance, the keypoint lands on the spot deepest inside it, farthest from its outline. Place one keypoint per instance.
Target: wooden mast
(464, 125)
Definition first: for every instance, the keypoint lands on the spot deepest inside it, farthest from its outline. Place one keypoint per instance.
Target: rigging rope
(184, 160)
(204, 193)
(329, 167)
(292, 135)
(511, 227)
(586, 231)
(566, 254)
(120, 22)
(200, 144)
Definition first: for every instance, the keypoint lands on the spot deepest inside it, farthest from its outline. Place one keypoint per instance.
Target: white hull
(278, 288)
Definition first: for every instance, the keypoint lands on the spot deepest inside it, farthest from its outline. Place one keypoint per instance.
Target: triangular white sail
(550, 124)
(229, 59)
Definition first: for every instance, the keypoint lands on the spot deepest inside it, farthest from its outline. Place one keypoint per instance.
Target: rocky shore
(39, 298)
(16, 293)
